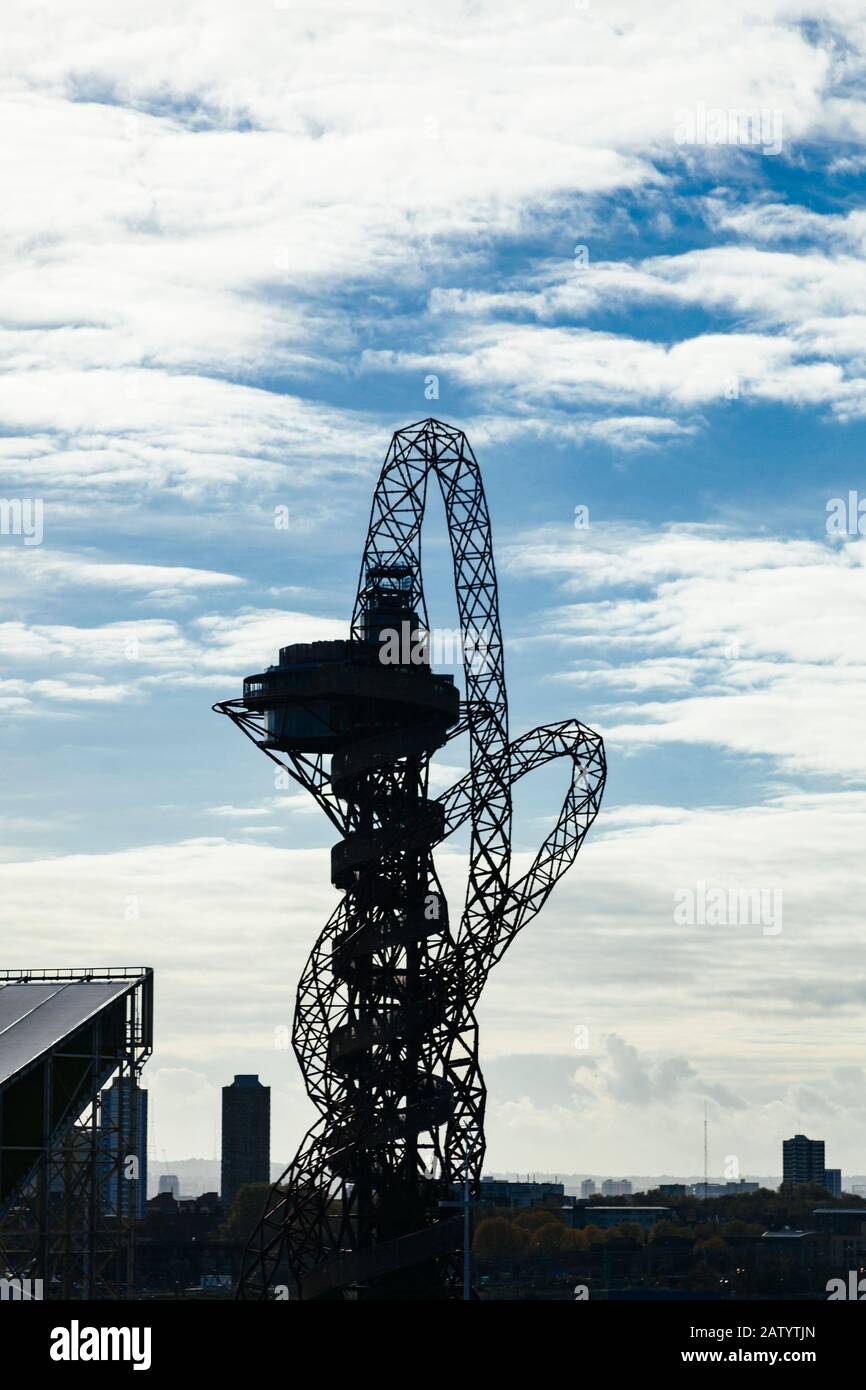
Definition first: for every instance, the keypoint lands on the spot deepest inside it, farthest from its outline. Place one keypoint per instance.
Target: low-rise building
(500, 1192)
(605, 1216)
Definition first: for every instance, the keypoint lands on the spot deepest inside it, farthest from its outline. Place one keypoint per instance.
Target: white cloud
(102, 429)
(755, 1017)
(227, 927)
(214, 650)
(590, 1126)
(186, 187)
(734, 630)
(36, 568)
(796, 331)
(582, 367)
(286, 802)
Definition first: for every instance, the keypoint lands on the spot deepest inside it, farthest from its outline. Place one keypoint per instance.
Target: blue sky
(236, 249)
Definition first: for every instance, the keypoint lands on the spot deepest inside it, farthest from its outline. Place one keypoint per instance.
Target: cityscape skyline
(207, 1098)
(162, 1171)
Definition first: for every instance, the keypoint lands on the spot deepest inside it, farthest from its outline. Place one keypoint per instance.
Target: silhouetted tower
(803, 1160)
(385, 1028)
(246, 1140)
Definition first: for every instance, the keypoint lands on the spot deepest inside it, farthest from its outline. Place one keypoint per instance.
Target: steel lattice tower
(384, 1029)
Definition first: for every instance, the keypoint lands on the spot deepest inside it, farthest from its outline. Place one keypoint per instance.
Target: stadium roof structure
(34, 1017)
(63, 1035)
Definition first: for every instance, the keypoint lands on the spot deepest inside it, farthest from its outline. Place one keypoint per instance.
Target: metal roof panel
(36, 1017)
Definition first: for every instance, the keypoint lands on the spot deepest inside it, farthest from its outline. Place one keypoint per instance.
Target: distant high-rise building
(169, 1182)
(833, 1181)
(123, 1117)
(616, 1187)
(588, 1188)
(803, 1160)
(246, 1139)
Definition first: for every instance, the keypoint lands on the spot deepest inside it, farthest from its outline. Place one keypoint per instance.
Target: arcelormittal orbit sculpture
(384, 1028)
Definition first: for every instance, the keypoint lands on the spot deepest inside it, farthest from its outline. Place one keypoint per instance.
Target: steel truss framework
(385, 1029)
(71, 1224)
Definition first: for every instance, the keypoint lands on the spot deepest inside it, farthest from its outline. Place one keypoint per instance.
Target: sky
(622, 248)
